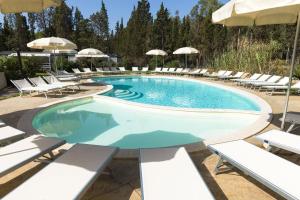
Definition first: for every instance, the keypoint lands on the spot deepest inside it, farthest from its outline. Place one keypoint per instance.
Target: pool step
(127, 95)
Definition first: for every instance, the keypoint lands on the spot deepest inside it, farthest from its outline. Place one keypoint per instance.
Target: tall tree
(62, 20)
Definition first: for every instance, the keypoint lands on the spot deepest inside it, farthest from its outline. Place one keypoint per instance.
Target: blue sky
(122, 8)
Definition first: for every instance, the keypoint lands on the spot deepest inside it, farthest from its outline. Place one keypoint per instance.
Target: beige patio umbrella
(91, 53)
(262, 12)
(17, 6)
(186, 51)
(156, 53)
(52, 43)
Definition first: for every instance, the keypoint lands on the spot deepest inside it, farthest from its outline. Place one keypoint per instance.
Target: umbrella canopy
(186, 51)
(258, 12)
(262, 12)
(52, 43)
(17, 6)
(90, 52)
(156, 52)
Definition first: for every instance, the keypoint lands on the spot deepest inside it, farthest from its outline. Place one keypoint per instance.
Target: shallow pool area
(177, 93)
(101, 121)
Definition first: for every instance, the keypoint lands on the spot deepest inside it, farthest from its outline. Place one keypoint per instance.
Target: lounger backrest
(179, 69)
(274, 79)
(158, 69)
(38, 81)
(296, 85)
(122, 69)
(135, 69)
(196, 71)
(99, 69)
(284, 81)
(228, 73)
(264, 77)
(49, 79)
(165, 69)
(76, 70)
(239, 74)
(145, 69)
(87, 70)
(106, 69)
(255, 76)
(20, 84)
(172, 69)
(186, 70)
(203, 71)
(221, 72)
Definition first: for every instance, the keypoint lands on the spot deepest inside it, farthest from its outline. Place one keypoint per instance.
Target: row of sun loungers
(165, 173)
(43, 85)
(278, 174)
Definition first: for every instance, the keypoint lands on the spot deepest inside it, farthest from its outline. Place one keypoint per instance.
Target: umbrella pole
(186, 61)
(156, 60)
(291, 73)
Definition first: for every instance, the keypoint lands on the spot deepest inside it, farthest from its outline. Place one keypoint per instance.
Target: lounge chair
(66, 76)
(53, 80)
(38, 81)
(165, 70)
(9, 133)
(236, 76)
(87, 70)
(218, 74)
(282, 82)
(276, 88)
(99, 69)
(158, 69)
(67, 177)
(253, 77)
(122, 69)
(77, 71)
(26, 150)
(281, 139)
(293, 118)
(280, 175)
(203, 72)
(270, 81)
(185, 71)
(24, 86)
(169, 173)
(194, 72)
(178, 70)
(145, 69)
(135, 69)
(171, 70)
(263, 78)
(226, 74)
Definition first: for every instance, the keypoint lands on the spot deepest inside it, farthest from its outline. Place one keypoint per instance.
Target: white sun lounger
(203, 72)
(9, 133)
(218, 74)
(179, 70)
(275, 88)
(280, 175)
(171, 70)
(24, 86)
(253, 77)
(38, 81)
(135, 69)
(282, 140)
(2, 123)
(158, 69)
(77, 71)
(122, 69)
(236, 76)
(165, 70)
(53, 80)
(226, 74)
(87, 70)
(169, 173)
(186, 71)
(270, 81)
(263, 78)
(68, 177)
(99, 69)
(26, 150)
(195, 72)
(145, 69)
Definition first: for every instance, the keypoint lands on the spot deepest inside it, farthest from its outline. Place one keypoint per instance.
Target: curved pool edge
(25, 122)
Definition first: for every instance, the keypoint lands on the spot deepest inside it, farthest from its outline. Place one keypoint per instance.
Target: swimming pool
(103, 122)
(176, 93)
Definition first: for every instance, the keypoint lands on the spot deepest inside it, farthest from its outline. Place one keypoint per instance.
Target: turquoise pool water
(103, 122)
(176, 93)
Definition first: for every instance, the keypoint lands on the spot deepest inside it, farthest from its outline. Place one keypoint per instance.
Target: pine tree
(31, 22)
(62, 20)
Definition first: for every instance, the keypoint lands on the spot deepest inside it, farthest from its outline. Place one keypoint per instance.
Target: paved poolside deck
(124, 183)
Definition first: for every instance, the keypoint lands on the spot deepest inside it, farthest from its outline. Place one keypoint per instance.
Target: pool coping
(25, 122)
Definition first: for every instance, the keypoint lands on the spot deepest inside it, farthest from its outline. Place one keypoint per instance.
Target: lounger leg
(291, 127)
(45, 95)
(219, 164)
